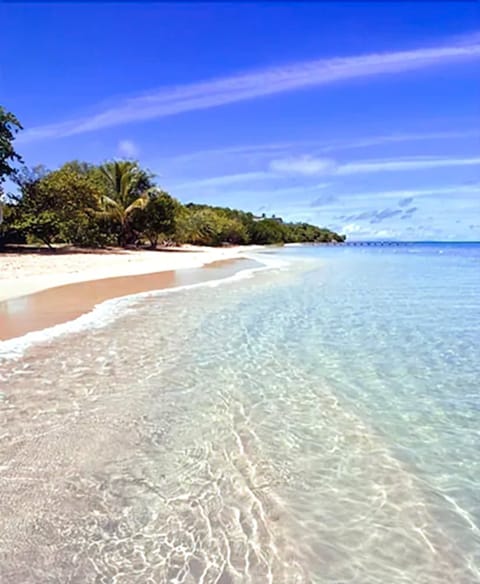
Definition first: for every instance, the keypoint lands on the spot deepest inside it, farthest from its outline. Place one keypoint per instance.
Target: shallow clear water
(314, 423)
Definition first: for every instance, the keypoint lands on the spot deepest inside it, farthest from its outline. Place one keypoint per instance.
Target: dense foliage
(9, 126)
(208, 225)
(118, 203)
(57, 206)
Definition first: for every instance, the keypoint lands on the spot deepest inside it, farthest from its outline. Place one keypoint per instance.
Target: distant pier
(367, 243)
(374, 243)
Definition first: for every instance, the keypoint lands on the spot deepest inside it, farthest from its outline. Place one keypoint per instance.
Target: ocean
(315, 418)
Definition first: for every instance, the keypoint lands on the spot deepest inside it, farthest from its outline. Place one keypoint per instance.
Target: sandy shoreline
(38, 291)
(47, 308)
(23, 273)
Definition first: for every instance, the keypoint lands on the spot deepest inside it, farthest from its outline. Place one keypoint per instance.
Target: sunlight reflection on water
(316, 424)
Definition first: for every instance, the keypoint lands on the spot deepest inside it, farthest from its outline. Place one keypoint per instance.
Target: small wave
(109, 310)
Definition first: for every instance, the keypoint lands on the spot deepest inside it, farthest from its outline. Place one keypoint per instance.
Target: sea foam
(109, 310)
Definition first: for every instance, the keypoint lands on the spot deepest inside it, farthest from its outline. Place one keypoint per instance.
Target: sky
(361, 117)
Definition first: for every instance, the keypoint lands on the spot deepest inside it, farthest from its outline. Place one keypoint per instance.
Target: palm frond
(139, 203)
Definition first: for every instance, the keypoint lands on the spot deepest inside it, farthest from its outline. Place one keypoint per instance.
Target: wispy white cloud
(225, 180)
(248, 150)
(405, 201)
(355, 231)
(460, 195)
(380, 215)
(128, 149)
(265, 151)
(398, 165)
(309, 166)
(213, 93)
(398, 138)
(251, 195)
(273, 183)
(305, 165)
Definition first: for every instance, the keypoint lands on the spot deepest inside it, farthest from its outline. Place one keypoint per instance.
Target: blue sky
(364, 117)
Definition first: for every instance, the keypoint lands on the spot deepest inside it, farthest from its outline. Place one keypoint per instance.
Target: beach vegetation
(269, 231)
(119, 203)
(204, 225)
(157, 219)
(126, 188)
(62, 205)
(9, 127)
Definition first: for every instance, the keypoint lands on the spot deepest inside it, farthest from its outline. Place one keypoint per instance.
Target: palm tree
(128, 186)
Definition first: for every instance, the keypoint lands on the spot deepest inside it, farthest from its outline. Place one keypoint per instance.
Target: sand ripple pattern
(125, 458)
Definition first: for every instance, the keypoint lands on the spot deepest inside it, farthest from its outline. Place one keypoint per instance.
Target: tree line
(119, 203)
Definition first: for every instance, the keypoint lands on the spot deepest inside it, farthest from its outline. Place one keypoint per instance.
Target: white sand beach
(23, 273)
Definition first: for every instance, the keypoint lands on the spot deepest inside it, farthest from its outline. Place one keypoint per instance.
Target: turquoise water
(316, 422)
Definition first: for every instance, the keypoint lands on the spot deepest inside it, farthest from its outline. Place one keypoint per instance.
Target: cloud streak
(170, 101)
(405, 201)
(265, 151)
(399, 138)
(409, 212)
(324, 199)
(304, 165)
(444, 191)
(308, 167)
(226, 180)
(416, 163)
(377, 215)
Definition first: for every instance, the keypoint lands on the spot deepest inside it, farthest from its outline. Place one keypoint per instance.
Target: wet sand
(32, 271)
(53, 306)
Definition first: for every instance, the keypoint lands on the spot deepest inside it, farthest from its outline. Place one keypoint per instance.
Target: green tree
(268, 231)
(197, 226)
(32, 214)
(8, 233)
(9, 126)
(204, 225)
(233, 231)
(83, 168)
(158, 217)
(126, 189)
(62, 205)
